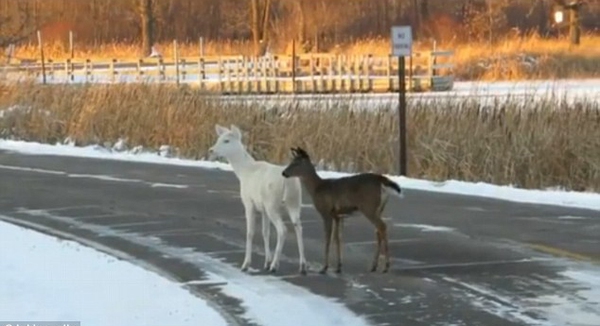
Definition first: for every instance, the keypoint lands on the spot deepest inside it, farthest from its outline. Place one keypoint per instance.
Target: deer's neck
(311, 181)
(241, 161)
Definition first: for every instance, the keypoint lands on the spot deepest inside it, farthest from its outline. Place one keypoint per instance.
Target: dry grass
(529, 57)
(551, 143)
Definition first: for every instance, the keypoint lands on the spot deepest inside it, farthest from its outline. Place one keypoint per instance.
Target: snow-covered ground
(570, 90)
(44, 278)
(505, 192)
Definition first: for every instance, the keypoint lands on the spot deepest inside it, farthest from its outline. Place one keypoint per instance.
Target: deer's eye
(226, 141)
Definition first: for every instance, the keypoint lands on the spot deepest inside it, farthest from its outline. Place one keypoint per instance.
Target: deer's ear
(236, 131)
(220, 129)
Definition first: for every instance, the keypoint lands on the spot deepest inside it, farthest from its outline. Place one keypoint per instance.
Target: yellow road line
(563, 253)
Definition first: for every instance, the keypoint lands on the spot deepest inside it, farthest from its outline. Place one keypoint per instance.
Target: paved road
(486, 262)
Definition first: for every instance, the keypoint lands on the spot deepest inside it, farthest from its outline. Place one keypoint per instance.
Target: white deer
(263, 189)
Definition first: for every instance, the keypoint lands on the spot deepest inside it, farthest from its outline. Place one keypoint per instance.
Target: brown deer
(336, 198)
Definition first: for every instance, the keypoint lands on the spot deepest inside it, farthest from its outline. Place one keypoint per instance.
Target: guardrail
(308, 73)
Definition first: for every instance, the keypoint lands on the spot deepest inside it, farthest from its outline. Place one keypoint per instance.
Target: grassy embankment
(549, 144)
(530, 57)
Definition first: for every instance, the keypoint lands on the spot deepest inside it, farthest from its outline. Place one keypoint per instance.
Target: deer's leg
(337, 236)
(384, 235)
(377, 251)
(266, 233)
(250, 223)
(382, 241)
(275, 217)
(386, 250)
(295, 217)
(327, 221)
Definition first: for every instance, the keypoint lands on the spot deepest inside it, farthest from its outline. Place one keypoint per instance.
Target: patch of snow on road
(425, 227)
(570, 217)
(581, 309)
(576, 304)
(587, 200)
(92, 176)
(44, 278)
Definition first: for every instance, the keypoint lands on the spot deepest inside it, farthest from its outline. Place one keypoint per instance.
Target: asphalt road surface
(456, 260)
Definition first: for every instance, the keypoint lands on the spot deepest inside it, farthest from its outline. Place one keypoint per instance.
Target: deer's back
(349, 194)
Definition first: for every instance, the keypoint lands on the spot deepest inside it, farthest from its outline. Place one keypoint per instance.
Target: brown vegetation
(493, 40)
(549, 143)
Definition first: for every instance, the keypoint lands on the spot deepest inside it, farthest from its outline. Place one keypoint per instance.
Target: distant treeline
(308, 21)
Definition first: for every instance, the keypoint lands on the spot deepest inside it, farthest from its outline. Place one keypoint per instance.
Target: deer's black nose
(284, 174)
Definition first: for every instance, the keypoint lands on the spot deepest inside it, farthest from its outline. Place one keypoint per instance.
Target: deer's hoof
(244, 268)
(273, 270)
(323, 270)
(302, 270)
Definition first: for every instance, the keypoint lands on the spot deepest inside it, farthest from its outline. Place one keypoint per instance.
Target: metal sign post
(401, 47)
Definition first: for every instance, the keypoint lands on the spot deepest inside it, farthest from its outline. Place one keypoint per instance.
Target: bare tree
(260, 16)
(16, 24)
(147, 17)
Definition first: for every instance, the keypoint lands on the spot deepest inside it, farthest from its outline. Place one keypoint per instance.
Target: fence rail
(308, 73)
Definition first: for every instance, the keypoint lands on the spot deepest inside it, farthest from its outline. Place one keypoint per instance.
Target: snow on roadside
(44, 278)
(586, 200)
(268, 300)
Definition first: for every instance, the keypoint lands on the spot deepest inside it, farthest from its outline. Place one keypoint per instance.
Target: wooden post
(40, 44)
(574, 28)
(401, 47)
(389, 75)
(201, 72)
(275, 67)
(229, 82)
(68, 69)
(370, 72)
(176, 58)
(239, 68)
(313, 72)
(86, 69)
(140, 72)
(402, 114)
(294, 66)
(219, 73)
(183, 69)
(71, 47)
(111, 69)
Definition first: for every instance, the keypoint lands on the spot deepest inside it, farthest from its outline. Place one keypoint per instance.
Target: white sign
(401, 41)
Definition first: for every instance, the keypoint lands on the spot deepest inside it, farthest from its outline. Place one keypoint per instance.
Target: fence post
(201, 73)
(140, 72)
(39, 36)
(293, 66)
(68, 69)
(112, 70)
(176, 58)
(71, 46)
(86, 69)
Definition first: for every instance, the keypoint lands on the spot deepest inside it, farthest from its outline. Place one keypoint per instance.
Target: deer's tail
(392, 187)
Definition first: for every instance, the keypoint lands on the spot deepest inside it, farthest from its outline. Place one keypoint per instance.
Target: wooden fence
(308, 73)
